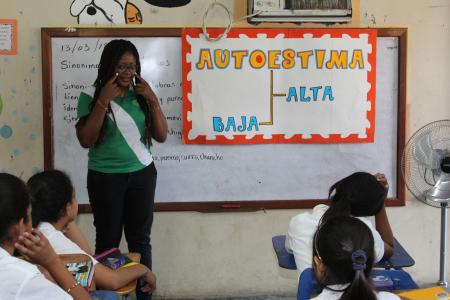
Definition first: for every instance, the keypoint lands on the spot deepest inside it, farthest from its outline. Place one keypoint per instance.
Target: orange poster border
(279, 138)
(13, 50)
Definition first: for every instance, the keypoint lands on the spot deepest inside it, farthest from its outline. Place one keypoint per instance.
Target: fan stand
(442, 268)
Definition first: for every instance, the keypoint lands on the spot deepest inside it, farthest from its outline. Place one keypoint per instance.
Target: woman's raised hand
(143, 88)
(382, 179)
(110, 90)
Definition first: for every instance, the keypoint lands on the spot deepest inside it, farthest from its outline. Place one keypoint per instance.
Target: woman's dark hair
(345, 246)
(359, 194)
(51, 191)
(14, 203)
(111, 55)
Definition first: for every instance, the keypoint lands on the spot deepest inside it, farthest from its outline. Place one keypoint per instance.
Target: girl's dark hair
(51, 191)
(14, 203)
(359, 194)
(111, 55)
(335, 242)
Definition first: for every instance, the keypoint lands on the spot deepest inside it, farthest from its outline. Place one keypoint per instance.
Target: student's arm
(384, 229)
(36, 247)
(110, 279)
(73, 232)
(159, 122)
(382, 222)
(88, 128)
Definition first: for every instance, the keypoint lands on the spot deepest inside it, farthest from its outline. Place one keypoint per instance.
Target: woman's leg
(138, 215)
(106, 196)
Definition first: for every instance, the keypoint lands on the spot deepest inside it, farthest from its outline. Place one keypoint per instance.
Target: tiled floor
(229, 298)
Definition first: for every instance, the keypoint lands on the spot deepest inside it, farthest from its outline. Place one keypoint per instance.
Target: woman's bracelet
(72, 287)
(102, 105)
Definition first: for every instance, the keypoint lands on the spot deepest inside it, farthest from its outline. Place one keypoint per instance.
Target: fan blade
(424, 153)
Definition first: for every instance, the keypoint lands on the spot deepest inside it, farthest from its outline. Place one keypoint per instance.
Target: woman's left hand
(143, 88)
(159, 123)
(148, 282)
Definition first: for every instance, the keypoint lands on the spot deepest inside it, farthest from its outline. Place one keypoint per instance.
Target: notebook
(112, 258)
(431, 293)
(83, 271)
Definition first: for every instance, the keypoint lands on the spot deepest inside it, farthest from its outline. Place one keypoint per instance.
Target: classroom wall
(216, 254)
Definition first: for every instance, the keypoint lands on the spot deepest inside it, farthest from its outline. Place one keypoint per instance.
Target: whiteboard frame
(47, 103)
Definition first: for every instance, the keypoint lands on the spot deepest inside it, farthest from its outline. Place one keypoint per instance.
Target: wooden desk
(130, 287)
(399, 259)
(123, 292)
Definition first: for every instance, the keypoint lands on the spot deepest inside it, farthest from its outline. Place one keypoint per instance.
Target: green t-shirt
(123, 149)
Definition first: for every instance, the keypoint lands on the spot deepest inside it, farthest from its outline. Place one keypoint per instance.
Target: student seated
(54, 210)
(360, 194)
(18, 278)
(343, 259)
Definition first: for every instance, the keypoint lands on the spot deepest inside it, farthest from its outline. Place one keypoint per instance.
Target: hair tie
(359, 259)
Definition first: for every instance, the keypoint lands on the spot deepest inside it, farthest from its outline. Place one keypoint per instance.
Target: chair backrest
(309, 286)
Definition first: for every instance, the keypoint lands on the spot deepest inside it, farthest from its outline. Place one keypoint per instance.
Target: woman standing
(118, 118)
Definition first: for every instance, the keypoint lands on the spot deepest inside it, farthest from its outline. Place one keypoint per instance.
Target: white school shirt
(61, 243)
(299, 239)
(332, 295)
(20, 280)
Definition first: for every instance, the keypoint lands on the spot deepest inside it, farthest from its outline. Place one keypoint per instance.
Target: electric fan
(426, 170)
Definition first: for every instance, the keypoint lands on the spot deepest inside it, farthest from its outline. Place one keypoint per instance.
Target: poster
(8, 37)
(259, 86)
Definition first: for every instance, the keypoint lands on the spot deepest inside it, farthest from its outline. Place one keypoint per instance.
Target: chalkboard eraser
(230, 206)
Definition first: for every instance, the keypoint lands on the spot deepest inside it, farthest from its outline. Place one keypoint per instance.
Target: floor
(229, 298)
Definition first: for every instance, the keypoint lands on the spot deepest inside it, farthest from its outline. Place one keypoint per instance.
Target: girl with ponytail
(361, 194)
(343, 259)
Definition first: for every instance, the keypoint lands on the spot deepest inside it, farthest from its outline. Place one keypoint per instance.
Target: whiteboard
(217, 173)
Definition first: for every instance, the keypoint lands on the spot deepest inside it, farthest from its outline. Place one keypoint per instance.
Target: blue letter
(230, 123)
(217, 124)
(302, 95)
(328, 92)
(315, 90)
(253, 122)
(241, 128)
(292, 93)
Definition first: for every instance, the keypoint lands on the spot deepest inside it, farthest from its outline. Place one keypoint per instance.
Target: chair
(65, 259)
(308, 285)
(285, 259)
(103, 295)
(124, 292)
(401, 279)
(399, 259)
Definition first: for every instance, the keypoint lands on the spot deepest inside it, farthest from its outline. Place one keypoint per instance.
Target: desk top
(130, 287)
(399, 259)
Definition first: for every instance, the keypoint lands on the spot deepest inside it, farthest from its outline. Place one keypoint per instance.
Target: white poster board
(280, 86)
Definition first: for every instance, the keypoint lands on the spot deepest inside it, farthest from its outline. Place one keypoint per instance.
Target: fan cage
(418, 177)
